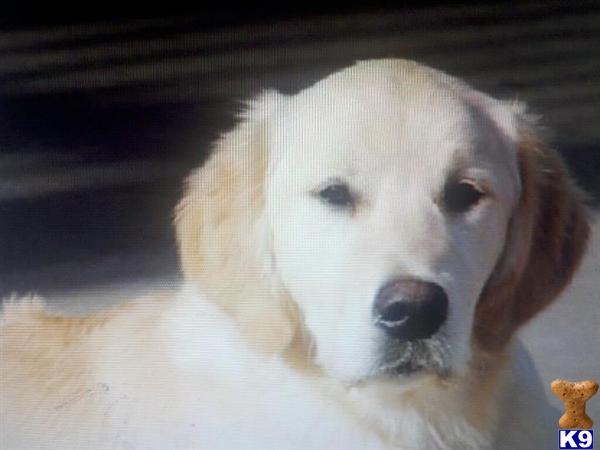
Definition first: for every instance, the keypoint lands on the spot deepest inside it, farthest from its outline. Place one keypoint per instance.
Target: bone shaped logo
(574, 394)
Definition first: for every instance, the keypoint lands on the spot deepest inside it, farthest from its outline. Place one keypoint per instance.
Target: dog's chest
(249, 413)
(268, 413)
(201, 387)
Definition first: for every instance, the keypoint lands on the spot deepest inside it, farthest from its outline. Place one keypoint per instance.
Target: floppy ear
(222, 232)
(546, 240)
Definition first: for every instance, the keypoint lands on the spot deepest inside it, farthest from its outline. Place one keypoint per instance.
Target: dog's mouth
(411, 357)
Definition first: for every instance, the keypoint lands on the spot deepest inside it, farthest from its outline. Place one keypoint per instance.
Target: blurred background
(101, 117)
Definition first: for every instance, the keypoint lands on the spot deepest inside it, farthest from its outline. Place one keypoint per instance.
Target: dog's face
(407, 217)
(389, 198)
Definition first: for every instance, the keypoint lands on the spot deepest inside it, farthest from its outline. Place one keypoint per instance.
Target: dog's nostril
(410, 309)
(395, 314)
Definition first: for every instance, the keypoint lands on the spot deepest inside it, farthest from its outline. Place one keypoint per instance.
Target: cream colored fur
(269, 343)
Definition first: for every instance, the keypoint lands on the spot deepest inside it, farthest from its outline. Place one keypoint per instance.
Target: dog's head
(392, 213)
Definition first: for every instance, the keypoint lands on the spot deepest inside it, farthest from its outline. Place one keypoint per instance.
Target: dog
(357, 260)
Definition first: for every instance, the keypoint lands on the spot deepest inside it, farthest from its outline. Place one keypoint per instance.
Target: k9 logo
(576, 439)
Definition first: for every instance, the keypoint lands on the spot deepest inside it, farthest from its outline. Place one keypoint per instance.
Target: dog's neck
(461, 405)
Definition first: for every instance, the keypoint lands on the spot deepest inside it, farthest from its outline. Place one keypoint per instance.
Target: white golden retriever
(357, 259)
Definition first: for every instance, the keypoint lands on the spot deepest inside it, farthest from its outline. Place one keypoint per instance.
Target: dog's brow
(328, 182)
(481, 178)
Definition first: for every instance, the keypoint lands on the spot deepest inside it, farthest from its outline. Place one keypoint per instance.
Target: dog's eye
(460, 196)
(337, 195)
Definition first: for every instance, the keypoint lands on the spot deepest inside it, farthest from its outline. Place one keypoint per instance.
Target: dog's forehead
(399, 117)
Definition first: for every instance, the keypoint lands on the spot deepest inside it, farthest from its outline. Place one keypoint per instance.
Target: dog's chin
(402, 378)
(406, 364)
(412, 370)
(410, 361)
(401, 363)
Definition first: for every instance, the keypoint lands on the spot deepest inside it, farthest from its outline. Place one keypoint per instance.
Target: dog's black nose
(410, 309)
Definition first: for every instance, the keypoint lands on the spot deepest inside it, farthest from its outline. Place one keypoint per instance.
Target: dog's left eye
(337, 195)
(461, 196)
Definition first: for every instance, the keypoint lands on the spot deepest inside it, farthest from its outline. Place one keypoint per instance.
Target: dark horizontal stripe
(543, 53)
(375, 17)
(250, 45)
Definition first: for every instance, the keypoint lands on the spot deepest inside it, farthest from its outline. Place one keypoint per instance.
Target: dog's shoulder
(51, 367)
(35, 340)
(29, 321)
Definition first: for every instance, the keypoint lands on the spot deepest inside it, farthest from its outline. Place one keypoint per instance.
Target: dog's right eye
(337, 195)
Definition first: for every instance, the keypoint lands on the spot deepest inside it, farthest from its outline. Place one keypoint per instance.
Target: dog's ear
(545, 243)
(222, 232)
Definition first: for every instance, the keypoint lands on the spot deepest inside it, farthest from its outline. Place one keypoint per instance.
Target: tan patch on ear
(546, 241)
(224, 238)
